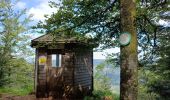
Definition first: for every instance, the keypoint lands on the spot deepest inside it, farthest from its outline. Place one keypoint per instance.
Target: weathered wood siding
(41, 77)
(58, 79)
(72, 80)
(68, 62)
(35, 70)
(83, 70)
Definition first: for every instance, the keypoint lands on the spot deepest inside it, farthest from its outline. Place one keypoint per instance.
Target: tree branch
(90, 17)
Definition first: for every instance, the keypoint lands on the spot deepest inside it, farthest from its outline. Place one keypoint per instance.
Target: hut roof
(48, 39)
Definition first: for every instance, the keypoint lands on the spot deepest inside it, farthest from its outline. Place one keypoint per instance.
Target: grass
(16, 91)
(100, 95)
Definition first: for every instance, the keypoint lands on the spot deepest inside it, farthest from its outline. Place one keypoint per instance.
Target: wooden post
(129, 77)
(92, 72)
(35, 70)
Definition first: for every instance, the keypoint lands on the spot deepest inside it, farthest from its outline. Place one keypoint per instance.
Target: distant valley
(114, 74)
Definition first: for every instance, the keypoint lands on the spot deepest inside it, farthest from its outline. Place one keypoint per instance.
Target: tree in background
(156, 79)
(101, 81)
(153, 42)
(104, 84)
(13, 44)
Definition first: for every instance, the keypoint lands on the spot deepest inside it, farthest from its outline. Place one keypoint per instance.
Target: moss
(129, 53)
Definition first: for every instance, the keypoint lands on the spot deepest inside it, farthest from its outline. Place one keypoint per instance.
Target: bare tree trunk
(128, 56)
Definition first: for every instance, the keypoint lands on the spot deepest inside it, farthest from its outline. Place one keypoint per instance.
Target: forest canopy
(15, 71)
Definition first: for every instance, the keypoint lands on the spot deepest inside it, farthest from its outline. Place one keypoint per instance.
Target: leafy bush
(102, 84)
(100, 95)
(20, 78)
(147, 77)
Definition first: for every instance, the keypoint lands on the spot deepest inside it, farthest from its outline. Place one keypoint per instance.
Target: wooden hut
(63, 67)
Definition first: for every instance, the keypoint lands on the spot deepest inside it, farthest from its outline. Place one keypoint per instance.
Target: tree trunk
(128, 55)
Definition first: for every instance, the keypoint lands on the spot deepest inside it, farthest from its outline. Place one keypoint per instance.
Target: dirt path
(27, 97)
(32, 97)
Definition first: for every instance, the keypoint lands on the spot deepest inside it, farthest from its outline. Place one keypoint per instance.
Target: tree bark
(128, 57)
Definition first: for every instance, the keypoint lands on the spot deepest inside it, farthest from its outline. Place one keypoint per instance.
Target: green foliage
(101, 81)
(100, 95)
(155, 74)
(21, 73)
(154, 56)
(102, 84)
(93, 18)
(147, 77)
(15, 72)
(16, 90)
(161, 67)
(20, 78)
(100, 19)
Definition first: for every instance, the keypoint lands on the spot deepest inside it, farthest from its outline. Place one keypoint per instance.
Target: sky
(38, 8)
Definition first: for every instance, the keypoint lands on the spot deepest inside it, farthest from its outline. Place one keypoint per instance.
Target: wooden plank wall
(68, 62)
(83, 71)
(76, 72)
(35, 70)
(41, 77)
(42, 69)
